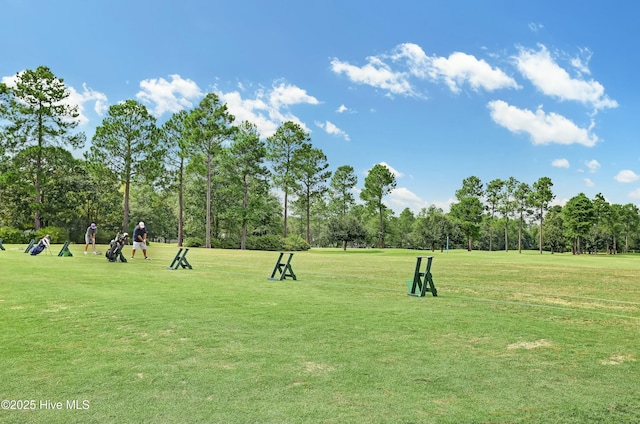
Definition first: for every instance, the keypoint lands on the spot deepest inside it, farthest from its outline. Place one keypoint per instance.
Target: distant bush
(266, 242)
(58, 234)
(193, 242)
(12, 235)
(295, 243)
(229, 243)
(103, 237)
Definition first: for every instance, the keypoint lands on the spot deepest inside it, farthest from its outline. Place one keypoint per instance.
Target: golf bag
(38, 248)
(114, 253)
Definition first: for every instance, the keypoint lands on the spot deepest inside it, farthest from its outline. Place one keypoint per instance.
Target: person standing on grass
(90, 237)
(140, 240)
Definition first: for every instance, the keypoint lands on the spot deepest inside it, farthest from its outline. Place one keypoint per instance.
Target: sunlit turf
(510, 338)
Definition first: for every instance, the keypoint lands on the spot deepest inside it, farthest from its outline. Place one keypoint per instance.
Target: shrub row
(266, 242)
(12, 235)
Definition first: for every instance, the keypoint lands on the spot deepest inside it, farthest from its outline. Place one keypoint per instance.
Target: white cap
(141, 224)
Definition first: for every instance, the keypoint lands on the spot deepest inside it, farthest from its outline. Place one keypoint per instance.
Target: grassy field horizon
(510, 338)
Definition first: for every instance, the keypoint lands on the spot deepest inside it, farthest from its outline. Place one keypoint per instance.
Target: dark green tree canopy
(210, 126)
(471, 187)
(579, 215)
(468, 214)
(246, 175)
(312, 177)
(341, 186)
(127, 143)
(38, 112)
(379, 182)
(539, 199)
(346, 229)
(281, 146)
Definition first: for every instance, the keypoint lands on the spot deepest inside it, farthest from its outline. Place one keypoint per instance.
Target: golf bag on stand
(114, 253)
(42, 244)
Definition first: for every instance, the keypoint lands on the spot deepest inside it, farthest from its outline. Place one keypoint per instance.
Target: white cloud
(416, 59)
(460, 68)
(330, 128)
(543, 128)
(444, 205)
(401, 198)
(165, 96)
(377, 74)
(392, 72)
(552, 80)
(344, 109)
(593, 165)
(559, 202)
(268, 109)
(560, 163)
(635, 194)
(254, 110)
(580, 64)
(588, 182)
(395, 172)
(87, 95)
(11, 80)
(284, 95)
(626, 176)
(535, 27)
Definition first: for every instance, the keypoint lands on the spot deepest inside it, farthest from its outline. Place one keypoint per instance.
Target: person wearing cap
(140, 240)
(90, 237)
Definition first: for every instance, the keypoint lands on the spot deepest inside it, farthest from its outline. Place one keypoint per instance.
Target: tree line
(203, 179)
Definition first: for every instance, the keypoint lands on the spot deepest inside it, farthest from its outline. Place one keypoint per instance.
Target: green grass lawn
(510, 338)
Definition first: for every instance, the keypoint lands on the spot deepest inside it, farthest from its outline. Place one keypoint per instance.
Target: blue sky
(436, 90)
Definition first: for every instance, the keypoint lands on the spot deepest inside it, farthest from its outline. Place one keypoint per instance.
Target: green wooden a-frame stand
(422, 281)
(180, 260)
(283, 268)
(31, 243)
(65, 250)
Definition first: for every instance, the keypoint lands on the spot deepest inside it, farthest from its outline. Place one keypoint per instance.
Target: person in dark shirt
(140, 240)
